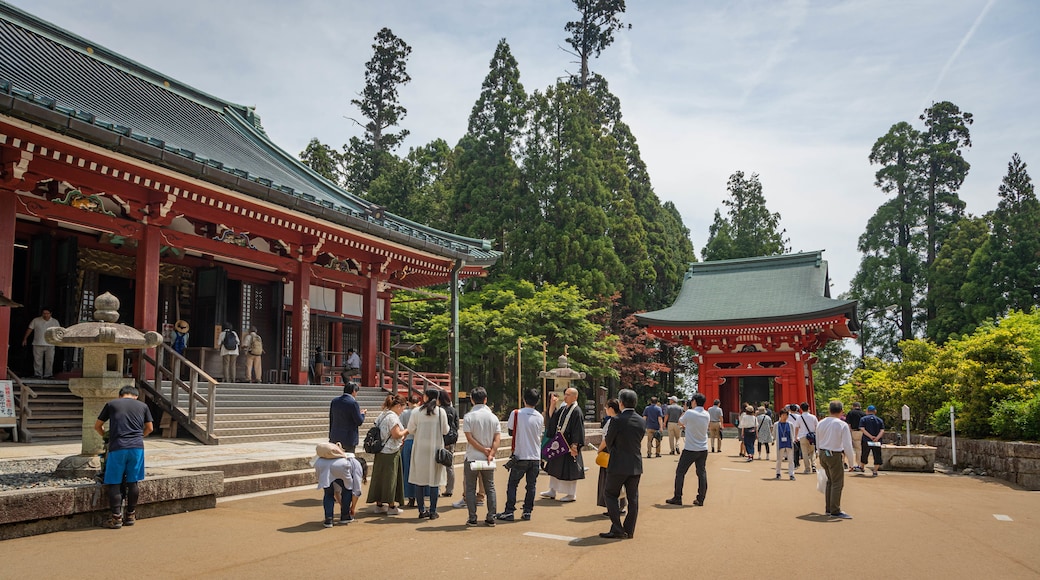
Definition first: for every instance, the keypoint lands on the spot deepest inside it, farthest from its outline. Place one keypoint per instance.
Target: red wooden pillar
(8, 217)
(301, 325)
(384, 336)
(146, 285)
(369, 332)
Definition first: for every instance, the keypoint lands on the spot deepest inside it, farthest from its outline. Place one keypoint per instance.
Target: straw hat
(181, 326)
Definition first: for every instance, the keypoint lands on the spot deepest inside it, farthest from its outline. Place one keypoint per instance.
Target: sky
(796, 91)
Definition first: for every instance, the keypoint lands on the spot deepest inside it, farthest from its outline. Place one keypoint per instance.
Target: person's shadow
(818, 518)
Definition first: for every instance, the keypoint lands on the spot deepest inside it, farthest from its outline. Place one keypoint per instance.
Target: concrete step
(268, 481)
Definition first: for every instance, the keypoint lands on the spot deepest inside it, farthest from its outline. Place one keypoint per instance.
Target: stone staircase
(56, 413)
(247, 412)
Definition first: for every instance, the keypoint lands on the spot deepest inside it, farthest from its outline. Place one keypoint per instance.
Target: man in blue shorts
(129, 422)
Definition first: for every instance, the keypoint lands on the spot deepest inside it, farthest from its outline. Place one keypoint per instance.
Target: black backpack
(230, 340)
(374, 441)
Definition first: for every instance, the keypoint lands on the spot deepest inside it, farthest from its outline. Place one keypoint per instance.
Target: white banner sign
(7, 410)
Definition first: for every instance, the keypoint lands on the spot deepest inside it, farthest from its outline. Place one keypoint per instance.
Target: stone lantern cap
(104, 332)
(563, 371)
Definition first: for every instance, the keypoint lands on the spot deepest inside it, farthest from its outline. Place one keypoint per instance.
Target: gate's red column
(301, 325)
(369, 333)
(146, 285)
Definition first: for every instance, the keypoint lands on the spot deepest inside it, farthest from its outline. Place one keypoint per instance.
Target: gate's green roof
(54, 78)
(753, 291)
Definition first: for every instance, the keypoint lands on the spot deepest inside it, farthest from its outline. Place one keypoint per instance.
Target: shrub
(1017, 419)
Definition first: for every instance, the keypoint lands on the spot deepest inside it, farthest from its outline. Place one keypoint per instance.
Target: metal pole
(518, 349)
(455, 331)
(953, 437)
(545, 395)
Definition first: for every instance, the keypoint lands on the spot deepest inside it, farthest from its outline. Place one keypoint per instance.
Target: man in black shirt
(129, 422)
(852, 418)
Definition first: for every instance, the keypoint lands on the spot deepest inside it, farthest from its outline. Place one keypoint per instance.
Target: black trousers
(612, 493)
(687, 459)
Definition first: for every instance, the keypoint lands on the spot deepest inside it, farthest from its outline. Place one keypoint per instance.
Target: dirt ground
(905, 526)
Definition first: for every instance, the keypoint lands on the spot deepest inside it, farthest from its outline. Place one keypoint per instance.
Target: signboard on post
(8, 416)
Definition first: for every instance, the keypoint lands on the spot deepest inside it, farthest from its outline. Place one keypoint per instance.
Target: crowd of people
(416, 431)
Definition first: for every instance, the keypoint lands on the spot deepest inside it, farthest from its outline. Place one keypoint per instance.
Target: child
(783, 434)
(338, 471)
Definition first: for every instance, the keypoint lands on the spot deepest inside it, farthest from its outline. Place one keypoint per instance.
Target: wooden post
(301, 325)
(8, 218)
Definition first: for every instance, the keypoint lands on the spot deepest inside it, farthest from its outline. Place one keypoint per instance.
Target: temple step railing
(23, 411)
(190, 402)
(395, 377)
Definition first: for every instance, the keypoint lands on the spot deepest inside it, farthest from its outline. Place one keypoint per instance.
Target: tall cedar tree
(944, 168)
(324, 160)
(367, 157)
(960, 303)
(489, 195)
(594, 31)
(419, 186)
(892, 271)
(749, 229)
(1015, 247)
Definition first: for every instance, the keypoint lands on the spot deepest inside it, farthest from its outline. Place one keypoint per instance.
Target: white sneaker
(567, 498)
(551, 494)
(382, 509)
(394, 511)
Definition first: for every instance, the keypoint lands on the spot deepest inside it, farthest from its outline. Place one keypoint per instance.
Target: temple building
(116, 178)
(754, 324)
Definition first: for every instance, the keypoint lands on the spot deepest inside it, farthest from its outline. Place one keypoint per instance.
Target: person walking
(253, 346)
(129, 422)
(180, 337)
(794, 418)
(653, 416)
(695, 452)
(566, 469)
(43, 351)
(871, 430)
(671, 422)
(747, 424)
(853, 418)
(483, 433)
(624, 437)
(715, 426)
(345, 417)
(833, 439)
(429, 423)
(805, 432)
(387, 485)
(526, 426)
(229, 344)
(763, 431)
(784, 436)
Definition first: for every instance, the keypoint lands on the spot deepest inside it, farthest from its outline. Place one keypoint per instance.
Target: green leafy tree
(324, 160)
(594, 31)
(367, 157)
(958, 310)
(418, 187)
(749, 228)
(834, 364)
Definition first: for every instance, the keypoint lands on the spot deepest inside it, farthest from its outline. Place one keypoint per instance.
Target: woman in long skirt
(387, 486)
(429, 425)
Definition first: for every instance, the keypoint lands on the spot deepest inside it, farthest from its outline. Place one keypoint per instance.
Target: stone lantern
(561, 376)
(103, 343)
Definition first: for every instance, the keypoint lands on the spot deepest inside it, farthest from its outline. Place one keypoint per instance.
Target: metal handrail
(24, 412)
(172, 373)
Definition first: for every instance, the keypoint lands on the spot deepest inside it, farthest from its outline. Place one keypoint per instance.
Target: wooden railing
(168, 365)
(399, 378)
(23, 393)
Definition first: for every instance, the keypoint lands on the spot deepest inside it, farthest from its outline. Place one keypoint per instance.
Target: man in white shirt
(715, 426)
(805, 425)
(43, 351)
(695, 451)
(526, 426)
(483, 433)
(833, 439)
(353, 365)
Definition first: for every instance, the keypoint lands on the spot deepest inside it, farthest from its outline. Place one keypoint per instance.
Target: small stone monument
(561, 376)
(103, 343)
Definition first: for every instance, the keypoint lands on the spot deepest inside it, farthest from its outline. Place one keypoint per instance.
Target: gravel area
(34, 473)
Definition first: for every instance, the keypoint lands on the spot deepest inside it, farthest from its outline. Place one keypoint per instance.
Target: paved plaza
(905, 526)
